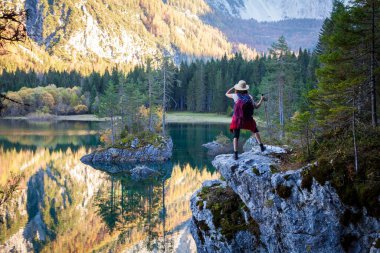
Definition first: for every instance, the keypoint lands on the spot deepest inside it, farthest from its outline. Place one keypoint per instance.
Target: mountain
(258, 23)
(274, 10)
(94, 34)
(91, 34)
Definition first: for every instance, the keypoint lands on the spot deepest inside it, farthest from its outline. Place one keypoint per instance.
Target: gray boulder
(148, 153)
(221, 222)
(291, 216)
(215, 148)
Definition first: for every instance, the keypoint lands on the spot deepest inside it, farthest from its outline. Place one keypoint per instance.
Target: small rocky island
(135, 150)
(257, 208)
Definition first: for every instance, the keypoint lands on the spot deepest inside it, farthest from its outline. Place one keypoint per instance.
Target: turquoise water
(81, 209)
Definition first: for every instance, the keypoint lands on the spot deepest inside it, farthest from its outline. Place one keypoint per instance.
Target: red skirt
(247, 124)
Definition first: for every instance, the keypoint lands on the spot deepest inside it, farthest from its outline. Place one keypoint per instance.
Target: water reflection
(155, 208)
(126, 203)
(67, 206)
(22, 134)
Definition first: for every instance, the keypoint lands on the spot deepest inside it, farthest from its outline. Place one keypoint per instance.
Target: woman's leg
(258, 138)
(255, 132)
(236, 142)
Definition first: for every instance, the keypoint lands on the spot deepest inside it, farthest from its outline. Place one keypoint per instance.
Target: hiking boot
(236, 155)
(262, 147)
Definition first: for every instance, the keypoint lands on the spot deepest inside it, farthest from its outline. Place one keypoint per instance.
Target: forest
(198, 86)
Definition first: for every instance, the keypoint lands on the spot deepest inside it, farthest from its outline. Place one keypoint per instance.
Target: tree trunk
(150, 104)
(373, 62)
(281, 106)
(164, 105)
(354, 139)
(112, 130)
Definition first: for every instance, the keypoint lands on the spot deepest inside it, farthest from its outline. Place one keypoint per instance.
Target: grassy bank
(172, 117)
(190, 117)
(83, 117)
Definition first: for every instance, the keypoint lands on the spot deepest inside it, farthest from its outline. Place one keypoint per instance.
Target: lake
(66, 206)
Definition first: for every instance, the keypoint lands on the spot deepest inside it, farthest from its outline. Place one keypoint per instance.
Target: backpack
(248, 109)
(247, 106)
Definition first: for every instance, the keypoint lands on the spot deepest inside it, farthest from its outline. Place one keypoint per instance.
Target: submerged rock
(214, 148)
(148, 153)
(293, 212)
(142, 173)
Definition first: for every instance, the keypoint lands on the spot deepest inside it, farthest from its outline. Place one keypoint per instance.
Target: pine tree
(281, 83)
(109, 107)
(364, 17)
(167, 80)
(337, 99)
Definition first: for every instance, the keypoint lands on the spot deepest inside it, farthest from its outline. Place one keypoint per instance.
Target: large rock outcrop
(292, 211)
(148, 153)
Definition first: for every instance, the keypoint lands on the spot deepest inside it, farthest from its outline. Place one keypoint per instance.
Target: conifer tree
(167, 80)
(280, 83)
(109, 107)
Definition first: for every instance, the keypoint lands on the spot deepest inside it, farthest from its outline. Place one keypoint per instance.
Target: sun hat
(241, 85)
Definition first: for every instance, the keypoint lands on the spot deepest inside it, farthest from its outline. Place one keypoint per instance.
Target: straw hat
(241, 85)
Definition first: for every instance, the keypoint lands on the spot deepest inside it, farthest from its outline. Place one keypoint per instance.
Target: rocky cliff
(260, 209)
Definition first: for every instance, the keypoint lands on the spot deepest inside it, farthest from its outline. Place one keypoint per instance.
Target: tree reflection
(124, 204)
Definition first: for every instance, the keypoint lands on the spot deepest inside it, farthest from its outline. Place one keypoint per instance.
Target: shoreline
(172, 117)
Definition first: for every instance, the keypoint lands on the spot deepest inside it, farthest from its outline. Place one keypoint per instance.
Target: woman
(243, 111)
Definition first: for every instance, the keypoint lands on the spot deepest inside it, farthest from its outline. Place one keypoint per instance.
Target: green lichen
(256, 171)
(273, 169)
(307, 180)
(284, 191)
(144, 138)
(200, 204)
(228, 211)
(269, 203)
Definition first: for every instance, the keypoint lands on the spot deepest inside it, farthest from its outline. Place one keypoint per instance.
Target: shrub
(229, 111)
(222, 139)
(80, 109)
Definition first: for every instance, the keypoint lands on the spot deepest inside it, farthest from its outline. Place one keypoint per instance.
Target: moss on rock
(307, 180)
(284, 191)
(256, 171)
(228, 211)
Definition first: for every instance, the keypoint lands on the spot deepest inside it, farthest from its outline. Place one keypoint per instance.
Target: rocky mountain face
(258, 23)
(258, 209)
(118, 32)
(90, 33)
(273, 10)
